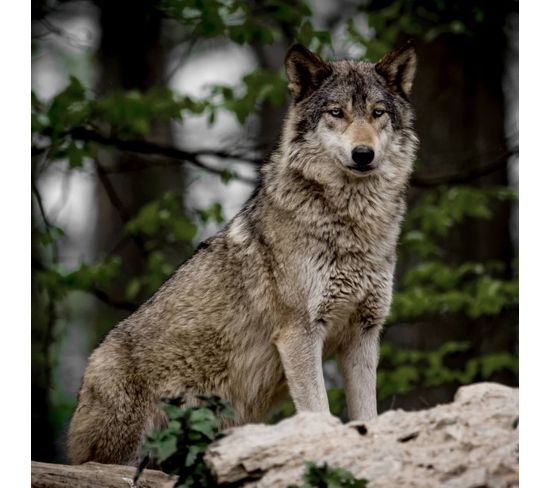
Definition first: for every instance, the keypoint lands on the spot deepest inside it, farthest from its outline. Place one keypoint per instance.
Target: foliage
(326, 477)
(132, 114)
(424, 20)
(246, 23)
(129, 114)
(259, 86)
(401, 371)
(179, 448)
(433, 286)
(436, 213)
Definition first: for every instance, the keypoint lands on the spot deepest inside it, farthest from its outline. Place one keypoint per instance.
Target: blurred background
(150, 119)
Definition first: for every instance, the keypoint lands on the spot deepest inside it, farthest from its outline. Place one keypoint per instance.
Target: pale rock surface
(471, 442)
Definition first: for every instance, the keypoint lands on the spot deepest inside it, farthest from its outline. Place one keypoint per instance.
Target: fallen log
(95, 475)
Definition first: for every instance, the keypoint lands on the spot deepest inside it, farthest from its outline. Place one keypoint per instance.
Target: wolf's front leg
(358, 358)
(301, 353)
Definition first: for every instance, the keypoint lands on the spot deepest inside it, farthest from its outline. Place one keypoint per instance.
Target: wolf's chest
(338, 286)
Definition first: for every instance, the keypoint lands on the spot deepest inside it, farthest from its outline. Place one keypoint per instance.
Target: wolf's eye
(336, 112)
(377, 112)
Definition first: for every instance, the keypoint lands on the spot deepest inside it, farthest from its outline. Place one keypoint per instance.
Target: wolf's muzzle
(362, 156)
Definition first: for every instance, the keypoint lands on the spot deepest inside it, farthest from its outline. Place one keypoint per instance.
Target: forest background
(151, 118)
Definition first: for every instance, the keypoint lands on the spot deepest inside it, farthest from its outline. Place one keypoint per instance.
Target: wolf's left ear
(305, 71)
(398, 68)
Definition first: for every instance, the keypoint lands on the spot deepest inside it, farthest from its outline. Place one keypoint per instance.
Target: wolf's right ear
(305, 71)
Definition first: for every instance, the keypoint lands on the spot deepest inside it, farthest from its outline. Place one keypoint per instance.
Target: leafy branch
(179, 448)
(467, 176)
(150, 148)
(83, 279)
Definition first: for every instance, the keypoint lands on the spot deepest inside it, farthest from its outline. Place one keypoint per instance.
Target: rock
(468, 443)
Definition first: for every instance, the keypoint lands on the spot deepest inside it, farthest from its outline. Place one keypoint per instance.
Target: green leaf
(181, 445)
(166, 448)
(75, 154)
(204, 428)
(68, 109)
(228, 175)
(133, 288)
(213, 213)
(192, 455)
(147, 220)
(184, 229)
(325, 476)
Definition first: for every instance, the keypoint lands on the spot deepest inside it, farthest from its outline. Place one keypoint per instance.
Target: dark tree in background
(454, 316)
(460, 102)
(132, 56)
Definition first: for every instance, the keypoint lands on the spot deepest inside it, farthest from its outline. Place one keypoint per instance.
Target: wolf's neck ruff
(357, 204)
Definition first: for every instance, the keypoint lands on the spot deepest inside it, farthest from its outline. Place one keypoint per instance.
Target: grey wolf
(305, 270)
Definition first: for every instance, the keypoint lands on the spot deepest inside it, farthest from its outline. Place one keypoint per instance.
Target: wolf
(303, 271)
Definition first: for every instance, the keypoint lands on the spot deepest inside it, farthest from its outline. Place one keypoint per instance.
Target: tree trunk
(131, 57)
(460, 105)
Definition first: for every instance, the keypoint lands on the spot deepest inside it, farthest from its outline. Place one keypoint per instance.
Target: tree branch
(116, 202)
(105, 298)
(466, 176)
(179, 155)
(68, 38)
(94, 290)
(150, 148)
(40, 203)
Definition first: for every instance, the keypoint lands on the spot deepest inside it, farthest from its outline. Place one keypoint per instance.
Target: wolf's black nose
(363, 156)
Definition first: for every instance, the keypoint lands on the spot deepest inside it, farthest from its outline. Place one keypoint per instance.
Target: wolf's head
(350, 118)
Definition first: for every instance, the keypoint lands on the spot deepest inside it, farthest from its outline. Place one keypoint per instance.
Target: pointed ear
(398, 68)
(305, 71)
